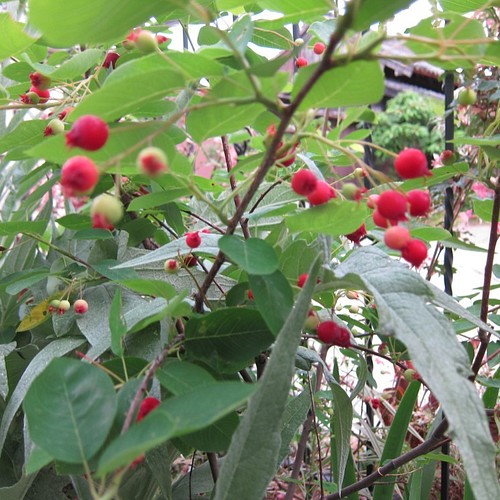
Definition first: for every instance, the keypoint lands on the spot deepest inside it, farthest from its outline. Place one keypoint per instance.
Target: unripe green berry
(108, 206)
(312, 321)
(467, 97)
(146, 42)
(349, 190)
(354, 309)
(64, 306)
(299, 42)
(410, 375)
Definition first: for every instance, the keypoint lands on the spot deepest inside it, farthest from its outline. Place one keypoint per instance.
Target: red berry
(376, 404)
(79, 175)
(415, 252)
(447, 157)
(379, 220)
(147, 406)
(30, 98)
(65, 112)
(44, 95)
(304, 182)
(80, 306)
(250, 295)
(332, 333)
(322, 194)
(110, 59)
(372, 200)
(152, 161)
(397, 237)
(88, 132)
(420, 202)
(319, 48)
(357, 235)
(411, 163)
(302, 279)
(392, 205)
(40, 81)
(161, 39)
(189, 261)
(301, 62)
(287, 158)
(193, 240)
(383, 349)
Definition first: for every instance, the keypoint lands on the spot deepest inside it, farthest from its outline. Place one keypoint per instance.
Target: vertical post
(185, 39)
(449, 125)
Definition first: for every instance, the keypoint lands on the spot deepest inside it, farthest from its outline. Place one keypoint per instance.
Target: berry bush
(200, 270)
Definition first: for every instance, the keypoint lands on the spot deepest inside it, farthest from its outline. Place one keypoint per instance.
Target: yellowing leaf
(35, 317)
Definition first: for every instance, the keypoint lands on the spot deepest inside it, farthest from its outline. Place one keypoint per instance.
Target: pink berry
(332, 333)
(88, 132)
(40, 81)
(376, 404)
(302, 279)
(161, 39)
(322, 194)
(250, 295)
(412, 163)
(357, 235)
(392, 205)
(301, 62)
(415, 252)
(79, 175)
(397, 237)
(110, 60)
(379, 220)
(65, 112)
(372, 200)
(304, 182)
(80, 306)
(171, 266)
(420, 202)
(319, 48)
(193, 240)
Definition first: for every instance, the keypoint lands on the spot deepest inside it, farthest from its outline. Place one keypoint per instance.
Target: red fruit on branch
(379, 220)
(372, 200)
(193, 240)
(99, 221)
(88, 132)
(40, 81)
(375, 402)
(301, 62)
(65, 112)
(108, 207)
(161, 39)
(420, 202)
(30, 98)
(79, 175)
(304, 182)
(332, 333)
(415, 252)
(80, 306)
(319, 48)
(322, 194)
(147, 406)
(412, 163)
(171, 266)
(302, 279)
(392, 205)
(397, 237)
(110, 60)
(43, 95)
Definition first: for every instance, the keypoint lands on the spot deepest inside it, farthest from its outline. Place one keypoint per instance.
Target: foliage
(206, 275)
(409, 121)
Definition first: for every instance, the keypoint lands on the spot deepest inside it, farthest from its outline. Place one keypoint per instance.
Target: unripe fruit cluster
(62, 306)
(39, 91)
(317, 192)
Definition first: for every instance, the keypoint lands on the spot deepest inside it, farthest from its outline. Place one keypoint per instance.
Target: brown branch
(324, 65)
(488, 272)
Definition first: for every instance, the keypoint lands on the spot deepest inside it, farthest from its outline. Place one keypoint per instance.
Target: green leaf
(13, 228)
(5, 350)
(255, 256)
(406, 305)
(272, 289)
(75, 221)
(13, 38)
(334, 218)
(14, 283)
(297, 10)
(55, 349)
(117, 325)
(343, 86)
(438, 176)
(70, 408)
(155, 288)
(462, 6)
(430, 233)
(483, 209)
(241, 33)
(233, 334)
(76, 66)
(18, 490)
(395, 439)
(342, 423)
(119, 96)
(175, 417)
(252, 457)
(90, 22)
(155, 200)
(375, 11)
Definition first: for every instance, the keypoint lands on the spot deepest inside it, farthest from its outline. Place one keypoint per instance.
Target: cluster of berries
(39, 92)
(317, 192)
(318, 49)
(61, 306)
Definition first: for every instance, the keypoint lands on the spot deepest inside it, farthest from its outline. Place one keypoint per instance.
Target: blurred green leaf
(13, 38)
